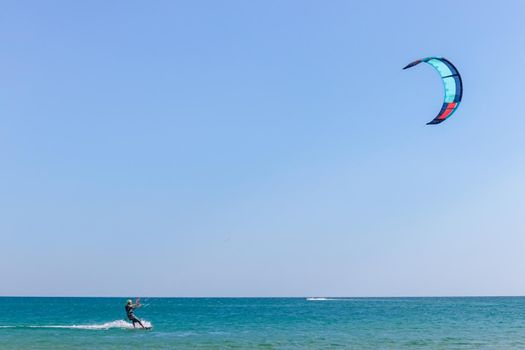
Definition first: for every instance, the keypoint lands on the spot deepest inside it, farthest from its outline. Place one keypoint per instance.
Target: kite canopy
(452, 83)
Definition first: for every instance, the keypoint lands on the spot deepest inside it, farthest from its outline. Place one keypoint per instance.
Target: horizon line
(264, 297)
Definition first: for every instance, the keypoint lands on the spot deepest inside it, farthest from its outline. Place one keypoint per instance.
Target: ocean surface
(265, 323)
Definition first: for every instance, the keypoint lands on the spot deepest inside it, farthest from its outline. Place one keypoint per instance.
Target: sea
(264, 323)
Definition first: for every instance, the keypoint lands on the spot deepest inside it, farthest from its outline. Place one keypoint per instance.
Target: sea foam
(101, 326)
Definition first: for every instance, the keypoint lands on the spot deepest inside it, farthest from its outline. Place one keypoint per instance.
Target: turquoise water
(266, 323)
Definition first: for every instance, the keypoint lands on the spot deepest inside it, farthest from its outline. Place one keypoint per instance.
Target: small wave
(328, 299)
(102, 326)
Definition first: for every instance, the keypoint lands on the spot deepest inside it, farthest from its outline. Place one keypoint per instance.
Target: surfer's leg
(136, 320)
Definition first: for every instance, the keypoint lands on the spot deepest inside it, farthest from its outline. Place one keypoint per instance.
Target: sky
(260, 148)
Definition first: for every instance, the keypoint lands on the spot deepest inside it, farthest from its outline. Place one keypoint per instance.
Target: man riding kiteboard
(129, 311)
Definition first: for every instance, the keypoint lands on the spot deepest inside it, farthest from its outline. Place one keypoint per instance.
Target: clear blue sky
(260, 148)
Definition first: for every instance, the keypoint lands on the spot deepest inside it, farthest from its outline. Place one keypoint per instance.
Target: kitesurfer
(129, 311)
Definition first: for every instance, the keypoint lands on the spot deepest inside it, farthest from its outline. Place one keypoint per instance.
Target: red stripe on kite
(446, 113)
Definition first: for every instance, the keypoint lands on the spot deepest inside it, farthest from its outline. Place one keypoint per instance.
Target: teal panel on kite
(452, 83)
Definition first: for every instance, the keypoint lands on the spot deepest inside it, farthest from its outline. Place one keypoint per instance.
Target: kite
(452, 83)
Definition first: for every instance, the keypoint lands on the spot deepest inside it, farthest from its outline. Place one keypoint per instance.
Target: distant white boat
(316, 299)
